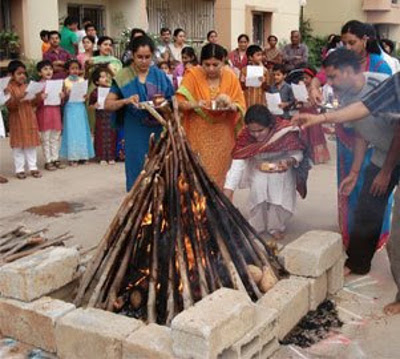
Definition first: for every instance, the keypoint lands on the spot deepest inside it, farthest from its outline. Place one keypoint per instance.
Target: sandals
(21, 175)
(73, 163)
(50, 166)
(59, 165)
(36, 174)
(3, 179)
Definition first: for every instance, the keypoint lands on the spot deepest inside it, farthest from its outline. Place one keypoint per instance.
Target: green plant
(10, 42)
(31, 71)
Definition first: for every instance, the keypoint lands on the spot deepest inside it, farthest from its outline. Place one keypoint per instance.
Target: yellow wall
(233, 17)
(328, 17)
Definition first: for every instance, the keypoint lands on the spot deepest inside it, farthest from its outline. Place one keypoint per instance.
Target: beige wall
(233, 17)
(329, 16)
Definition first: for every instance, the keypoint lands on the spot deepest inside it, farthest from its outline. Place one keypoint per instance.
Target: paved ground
(97, 191)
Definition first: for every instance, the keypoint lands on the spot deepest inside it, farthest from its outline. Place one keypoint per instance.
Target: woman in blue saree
(133, 84)
(357, 37)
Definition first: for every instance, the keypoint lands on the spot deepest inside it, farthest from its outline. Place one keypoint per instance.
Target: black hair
(54, 32)
(141, 41)
(335, 40)
(294, 31)
(243, 35)
(272, 37)
(14, 65)
(136, 31)
(97, 73)
(342, 58)
(210, 33)
(389, 43)
(163, 63)
(87, 26)
(44, 63)
(69, 20)
(86, 19)
(69, 62)
(103, 39)
(165, 29)
(360, 30)
(177, 31)
(210, 51)
(259, 114)
(44, 33)
(90, 38)
(253, 49)
(189, 51)
(280, 68)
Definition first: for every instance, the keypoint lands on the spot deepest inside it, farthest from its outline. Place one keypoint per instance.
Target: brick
(149, 342)
(93, 333)
(290, 297)
(318, 290)
(336, 276)
(313, 253)
(37, 275)
(261, 337)
(33, 323)
(212, 324)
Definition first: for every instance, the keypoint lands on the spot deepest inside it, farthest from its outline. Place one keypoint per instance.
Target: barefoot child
(265, 158)
(105, 136)
(24, 131)
(76, 144)
(49, 121)
(254, 95)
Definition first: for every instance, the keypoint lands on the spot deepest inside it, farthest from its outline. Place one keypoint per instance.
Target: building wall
(328, 17)
(234, 17)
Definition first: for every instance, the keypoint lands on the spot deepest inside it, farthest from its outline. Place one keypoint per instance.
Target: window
(5, 14)
(258, 28)
(94, 13)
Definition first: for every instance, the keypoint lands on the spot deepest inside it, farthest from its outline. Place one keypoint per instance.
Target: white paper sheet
(273, 100)
(102, 93)
(53, 89)
(171, 77)
(33, 89)
(179, 79)
(2, 128)
(78, 91)
(254, 73)
(300, 92)
(4, 98)
(4, 82)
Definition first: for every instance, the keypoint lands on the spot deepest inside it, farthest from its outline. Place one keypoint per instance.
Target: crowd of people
(236, 109)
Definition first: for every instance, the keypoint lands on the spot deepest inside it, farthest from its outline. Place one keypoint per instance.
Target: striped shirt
(385, 98)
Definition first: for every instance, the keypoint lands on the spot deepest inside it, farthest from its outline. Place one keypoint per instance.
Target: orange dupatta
(212, 136)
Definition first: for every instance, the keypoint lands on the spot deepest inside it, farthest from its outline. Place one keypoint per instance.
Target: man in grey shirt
(381, 176)
(295, 53)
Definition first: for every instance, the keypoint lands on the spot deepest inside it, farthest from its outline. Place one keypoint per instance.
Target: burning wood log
(175, 239)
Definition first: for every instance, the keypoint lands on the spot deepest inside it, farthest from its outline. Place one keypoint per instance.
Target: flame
(182, 184)
(189, 253)
(199, 204)
(148, 219)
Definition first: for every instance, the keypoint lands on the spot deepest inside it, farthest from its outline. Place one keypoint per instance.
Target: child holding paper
(24, 131)
(319, 152)
(105, 136)
(283, 88)
(268, 158)
(49, 121)
(76, 144)
(254, 94)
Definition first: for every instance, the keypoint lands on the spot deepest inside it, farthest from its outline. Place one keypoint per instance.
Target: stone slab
(93, 333)
(313, 253)
(33, 323)
(39, 274)
(336, 276)
(212, 325)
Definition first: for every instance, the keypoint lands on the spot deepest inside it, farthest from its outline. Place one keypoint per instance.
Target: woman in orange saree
(211, 132)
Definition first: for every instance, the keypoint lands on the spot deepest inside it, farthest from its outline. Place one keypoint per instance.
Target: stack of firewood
(21, 242)
(175, 239)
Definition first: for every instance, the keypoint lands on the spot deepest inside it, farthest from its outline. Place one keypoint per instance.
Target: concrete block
(318, 290)
(149, 342)
(262, 336)
(313, 253)
(37, 275)
(290, 297)
(212, 324)
(336, 276)
(33, 323)
(93, 333)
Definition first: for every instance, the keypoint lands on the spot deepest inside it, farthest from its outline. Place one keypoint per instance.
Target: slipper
(21, 175)
(36, 174)
(3, 179)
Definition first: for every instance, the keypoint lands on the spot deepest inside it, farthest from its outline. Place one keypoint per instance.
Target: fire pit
(175, 239)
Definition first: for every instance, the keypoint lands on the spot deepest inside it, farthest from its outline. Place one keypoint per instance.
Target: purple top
(57, 55)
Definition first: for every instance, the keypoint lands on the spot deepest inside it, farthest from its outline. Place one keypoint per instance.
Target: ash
(315, 326)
